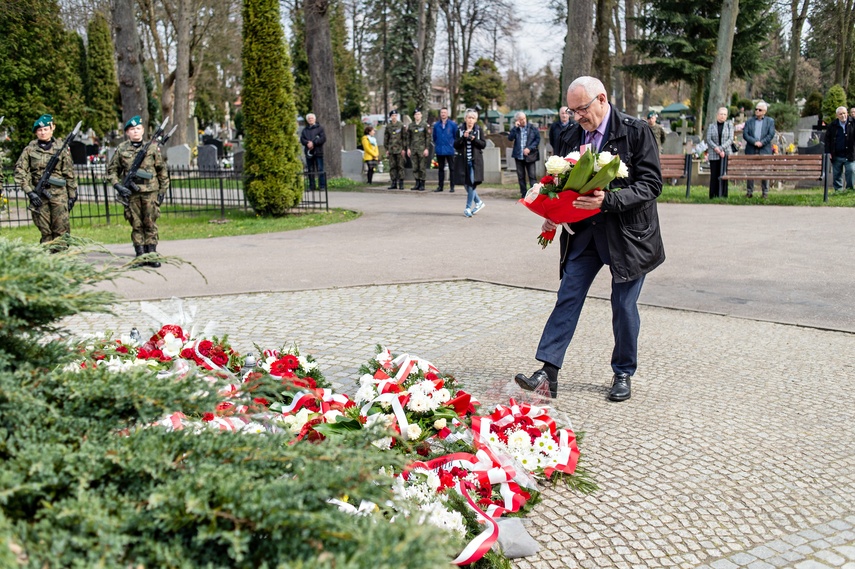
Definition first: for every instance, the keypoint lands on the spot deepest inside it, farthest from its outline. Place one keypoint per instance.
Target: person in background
(759, 132)
(469, 162)
(444, 133)
(370, 152)
(313, 139)
(719, 141)
(526, 140)
(840, 145)
(852, 113)
(418, 148)
(560, 125)
(394, 141)
(658, 131)
(50, 214)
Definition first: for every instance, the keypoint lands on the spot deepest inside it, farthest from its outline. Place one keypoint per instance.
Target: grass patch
(787, 196)
(237, 222)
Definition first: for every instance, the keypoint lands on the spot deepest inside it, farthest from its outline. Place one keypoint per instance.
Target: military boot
(401, 184)
(151, 249)
(393, 185)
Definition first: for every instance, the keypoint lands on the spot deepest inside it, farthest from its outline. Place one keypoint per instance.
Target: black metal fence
(192, 192)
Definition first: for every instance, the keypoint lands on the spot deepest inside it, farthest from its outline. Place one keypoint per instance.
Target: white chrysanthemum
(413, 431)
(383, 444)
(365, 393)
(366, 379)
(306, 364)
(423, 365)
(519, 440)
(330, 415)
(574, 156)
(623, 171)
(556, 165)
(438, 515)
(545, 444)
(442, 395)
(253, 427)
(127, 340)
(268, 362)
(493, 438)
(172, 345)
(75, 367)
(440, 424)
(419, 403)
(530, 462)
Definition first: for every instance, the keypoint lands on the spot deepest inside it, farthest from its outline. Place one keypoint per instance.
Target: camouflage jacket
(154, 178)
(395, 137)
(32, 163)
(418, 136)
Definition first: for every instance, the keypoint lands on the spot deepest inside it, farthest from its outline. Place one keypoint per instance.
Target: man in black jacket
(624, 235)
(561, 124)
(313, 138)
(840, 144)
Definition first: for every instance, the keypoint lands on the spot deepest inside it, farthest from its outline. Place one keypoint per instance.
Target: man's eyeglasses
(582, 110)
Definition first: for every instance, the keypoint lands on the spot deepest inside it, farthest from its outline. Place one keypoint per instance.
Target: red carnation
(208, 417)
(205, 347)
(430, 376)
(548, 179)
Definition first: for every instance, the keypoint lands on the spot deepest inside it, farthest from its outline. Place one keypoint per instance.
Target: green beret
(43, 120)
(134, 121)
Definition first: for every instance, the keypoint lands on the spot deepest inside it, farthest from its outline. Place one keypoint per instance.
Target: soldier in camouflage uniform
(394, 140)
(50, 215)
(418, 148)
(147, 190)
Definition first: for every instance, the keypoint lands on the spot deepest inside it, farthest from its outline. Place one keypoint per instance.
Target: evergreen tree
(39, 71)
(836, 97)
(272, 183)
(300, 63)
(482, 85)
(101, 84)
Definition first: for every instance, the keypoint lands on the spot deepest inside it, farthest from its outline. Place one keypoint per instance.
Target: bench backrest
(776, 167)
(673, 166)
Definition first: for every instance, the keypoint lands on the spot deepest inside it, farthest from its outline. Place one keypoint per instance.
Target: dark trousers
(579, 273)
(524, 168)
(315, 164)
(715, 174)
(442, 160)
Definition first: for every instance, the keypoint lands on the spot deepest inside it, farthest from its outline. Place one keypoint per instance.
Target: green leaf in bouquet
(342, 425)
(602, 178)
(581, 172)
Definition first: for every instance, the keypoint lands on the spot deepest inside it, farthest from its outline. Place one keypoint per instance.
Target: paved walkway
(736, 449)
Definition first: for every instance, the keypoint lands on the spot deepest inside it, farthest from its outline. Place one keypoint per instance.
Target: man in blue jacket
(758, 133)
(444, 134)
(526, 140)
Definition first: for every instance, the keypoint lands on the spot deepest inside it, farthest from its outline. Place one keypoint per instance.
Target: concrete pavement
(736, 449)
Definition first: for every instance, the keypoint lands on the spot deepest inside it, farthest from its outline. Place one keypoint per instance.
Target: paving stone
(830, 557)
(811, 564)
(847, 551)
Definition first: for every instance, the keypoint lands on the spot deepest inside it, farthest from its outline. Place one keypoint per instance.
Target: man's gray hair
(591, 85)
(311, 115)
(472, 112)
(763, 105)
(519, 115)
(844, 109)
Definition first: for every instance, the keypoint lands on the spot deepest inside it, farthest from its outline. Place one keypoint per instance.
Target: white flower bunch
(425, 397)
(556, 165)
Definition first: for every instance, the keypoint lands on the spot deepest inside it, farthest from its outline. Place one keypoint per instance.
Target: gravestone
(78, 152)
(178, 156)
(492, 164)
(673, 144)
(348, 133)
(804, 129)
(207, 157)
(351, 164)
(238, 160)
(110, 152)
(216, 143)
(509, 160)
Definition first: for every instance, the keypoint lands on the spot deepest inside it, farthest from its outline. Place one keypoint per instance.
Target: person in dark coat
(563, 121)
(313, 139)
(526, 139)
(469, 161)
(840, 145)
(624, 235)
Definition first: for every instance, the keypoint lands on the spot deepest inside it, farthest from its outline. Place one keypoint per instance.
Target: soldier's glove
(160, 198)
(123, 192)
(71, 202)
(35, 200)
(132, 186)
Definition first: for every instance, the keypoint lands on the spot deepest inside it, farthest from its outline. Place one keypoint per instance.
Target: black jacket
(629, 215)
(316, 135)
(461, 169)
(831, 138)
(555, 130)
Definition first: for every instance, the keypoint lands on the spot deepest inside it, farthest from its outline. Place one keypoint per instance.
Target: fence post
(222, 199)
(106, 197)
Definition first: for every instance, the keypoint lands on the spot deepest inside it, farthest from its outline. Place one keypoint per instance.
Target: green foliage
(101, 84)
(786, 116)
(272, 168)
(239, 131)
(813, 105)
(300, 63)
(483, 84)
(836, 97)
(88, 481)
(39, 70)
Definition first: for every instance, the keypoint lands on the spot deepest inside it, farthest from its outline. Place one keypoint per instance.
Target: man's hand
(71, 202)
(35, 200)
(526, 151)
(425, 153)
(517, 124)
(594, 200)
(310, 145)
(548, 225)
(124, 192)
(409, 154)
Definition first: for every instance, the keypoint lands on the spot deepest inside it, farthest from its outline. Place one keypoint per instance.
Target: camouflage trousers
(396, 166)
(52, 218)
(420, 164)
(142, 212)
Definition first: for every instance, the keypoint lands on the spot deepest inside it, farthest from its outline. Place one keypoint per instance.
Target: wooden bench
(783, 167)
(676, 166)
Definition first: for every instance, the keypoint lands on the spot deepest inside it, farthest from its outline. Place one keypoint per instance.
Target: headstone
(673, 144)
(207, 157)
(78, 152)
(110, 152)
(351, 164)
(509, 160)
(492, 165)
(178, 156)
(683, 130)
(349, 135)
(218, 144)
(238, 160)
(490, 144)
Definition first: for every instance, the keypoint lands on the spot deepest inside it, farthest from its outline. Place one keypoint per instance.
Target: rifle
(39, 190)
(123, 190)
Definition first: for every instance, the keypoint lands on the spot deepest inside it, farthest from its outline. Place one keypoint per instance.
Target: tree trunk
(322, 72)
(129, 55)
(578, 43)
(798, 21)
(426, 42)
(720, 73)
(181, 106)
(698, 103)
(602, 59)
(630, 81)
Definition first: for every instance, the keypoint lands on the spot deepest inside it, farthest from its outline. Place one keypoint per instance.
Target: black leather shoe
(621, 387)
(538, 382)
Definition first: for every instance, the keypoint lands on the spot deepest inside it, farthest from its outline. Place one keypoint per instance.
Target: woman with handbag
(720, 142)
(370, 152)
(469, 161)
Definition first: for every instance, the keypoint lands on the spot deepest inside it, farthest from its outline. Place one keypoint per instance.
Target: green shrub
(813, 105)
(786, 116)
(836, 97)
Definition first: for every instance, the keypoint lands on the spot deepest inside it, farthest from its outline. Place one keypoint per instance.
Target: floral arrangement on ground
(465, 466)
